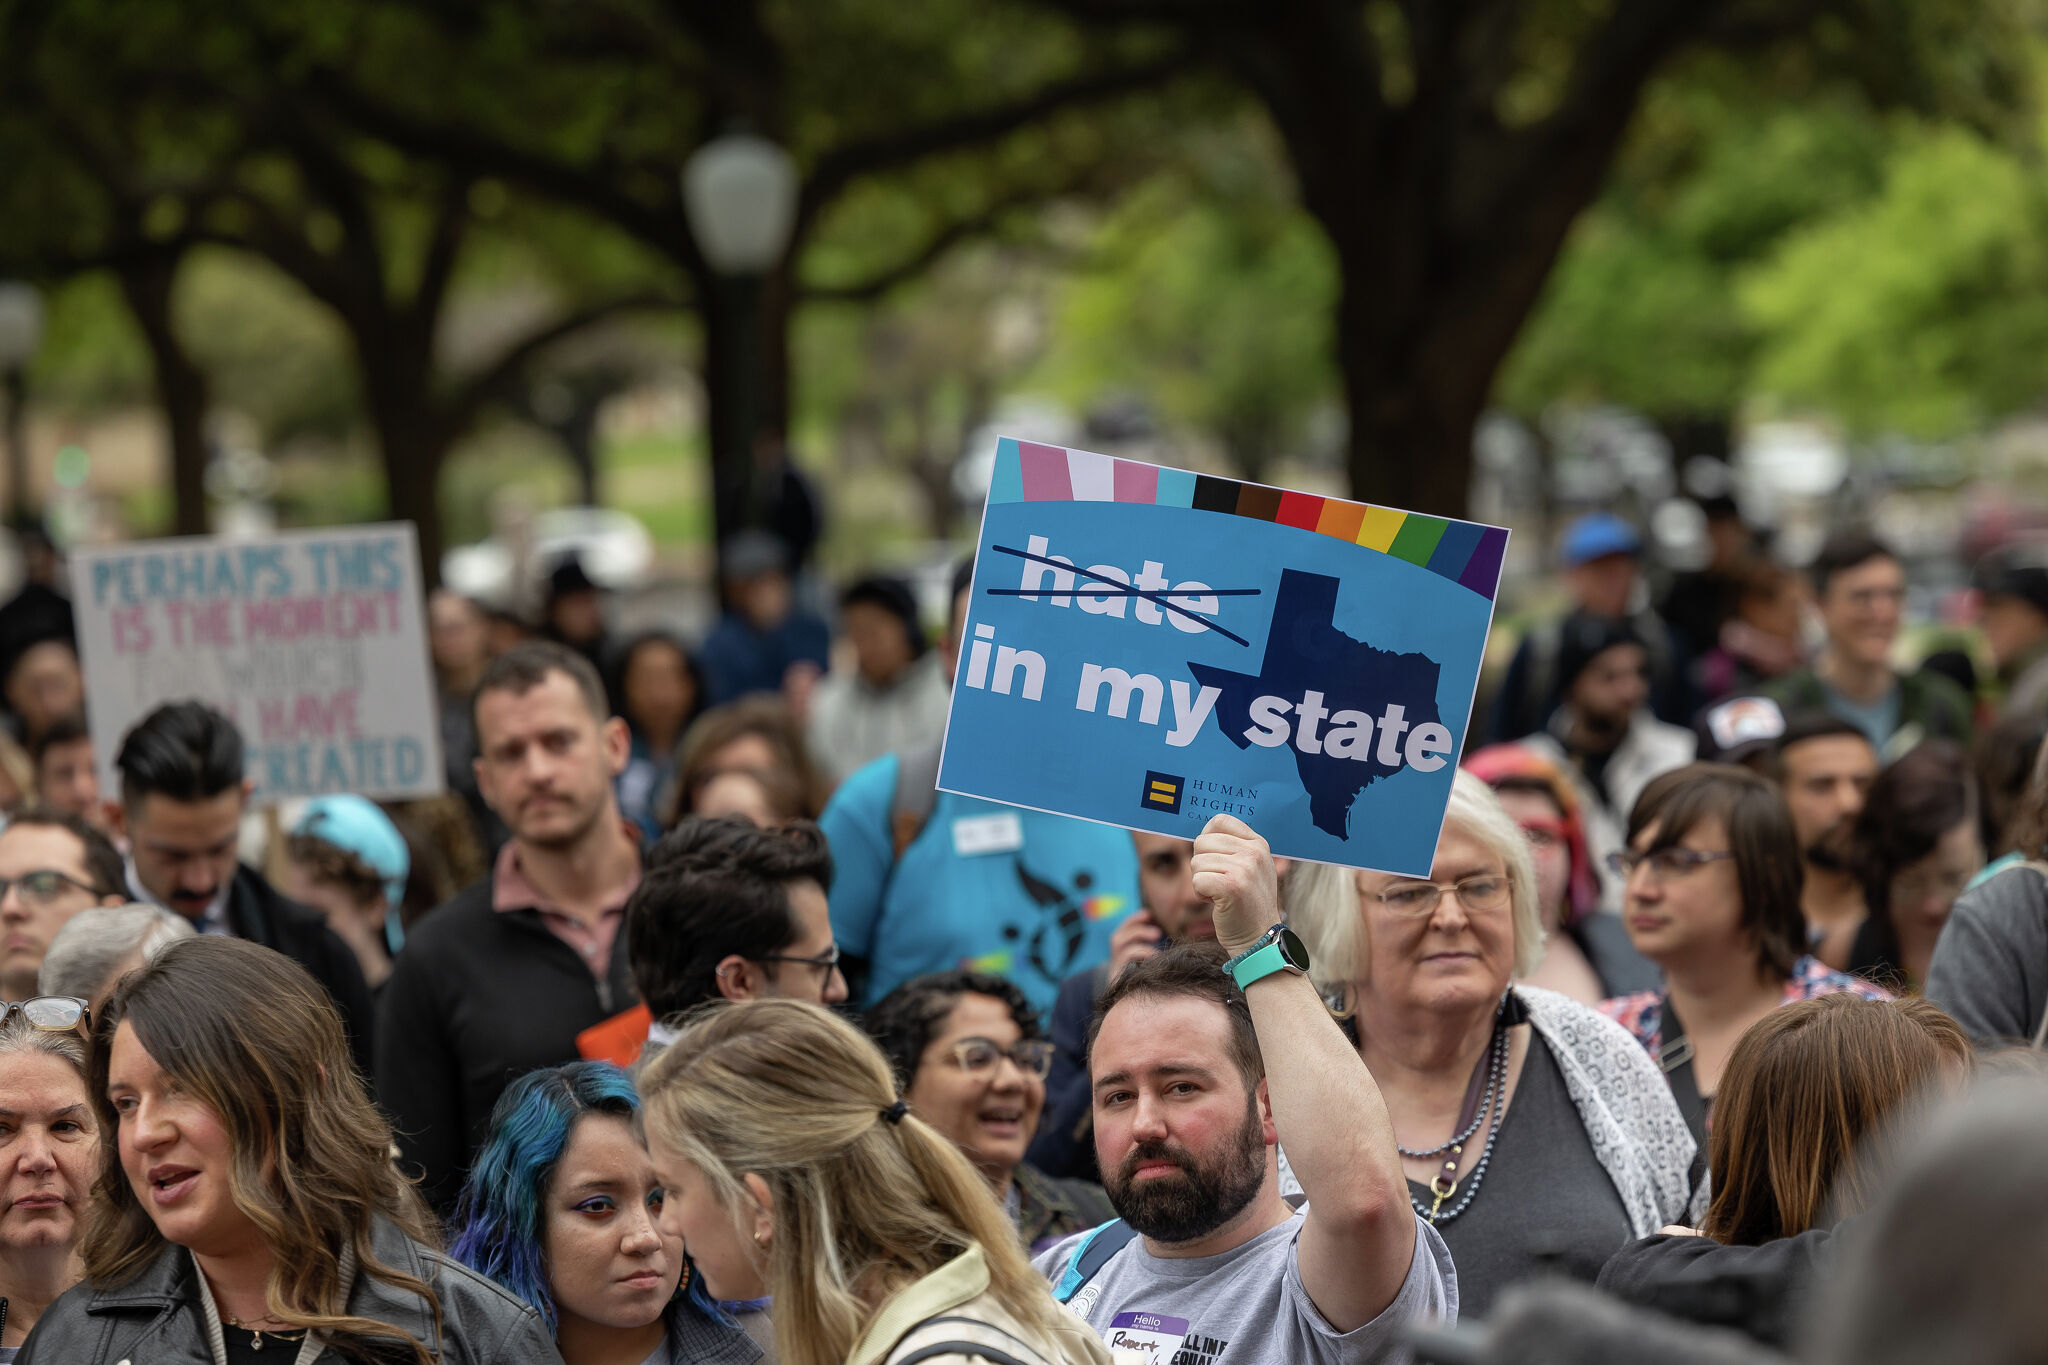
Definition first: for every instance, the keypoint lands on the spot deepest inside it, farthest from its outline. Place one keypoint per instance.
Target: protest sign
(1148, 647)
(311, 641)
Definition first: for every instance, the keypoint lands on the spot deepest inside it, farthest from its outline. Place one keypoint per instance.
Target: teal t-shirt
(1879, 719)
(1025, 895)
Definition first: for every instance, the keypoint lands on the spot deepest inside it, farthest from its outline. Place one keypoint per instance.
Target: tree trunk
(14, 435)
(579, 434)
(146, 283)
(413, 455)
(1410, 443)
(1446, 221)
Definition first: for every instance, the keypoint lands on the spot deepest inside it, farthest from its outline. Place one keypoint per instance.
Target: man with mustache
(1205, 1059)
(183, 792)
(1825, 764)
(501, 979)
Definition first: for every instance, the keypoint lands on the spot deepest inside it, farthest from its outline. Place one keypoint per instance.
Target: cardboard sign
(1148, 647)
(313, 642)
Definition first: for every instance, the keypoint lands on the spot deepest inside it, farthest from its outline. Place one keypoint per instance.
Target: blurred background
(627, 278)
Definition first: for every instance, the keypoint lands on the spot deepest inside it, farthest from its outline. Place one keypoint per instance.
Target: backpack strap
(957, 1335)
(1091, 1255)
(917, 791)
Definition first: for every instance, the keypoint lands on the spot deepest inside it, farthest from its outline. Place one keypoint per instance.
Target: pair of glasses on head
(825, 963)
(1666, 864)
(44, 886)
(980, 1056)
(50, 1013)
(1414, 900)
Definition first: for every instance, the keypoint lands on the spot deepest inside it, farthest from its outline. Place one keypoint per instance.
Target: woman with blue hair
(562, 1208)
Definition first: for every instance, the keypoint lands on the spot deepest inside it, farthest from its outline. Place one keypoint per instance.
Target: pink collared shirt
(592, 940)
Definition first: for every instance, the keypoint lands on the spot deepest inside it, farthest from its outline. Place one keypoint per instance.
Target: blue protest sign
(1148, 647)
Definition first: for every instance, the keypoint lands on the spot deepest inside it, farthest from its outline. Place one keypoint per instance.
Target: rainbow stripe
(1101, 907)
(1467, 553)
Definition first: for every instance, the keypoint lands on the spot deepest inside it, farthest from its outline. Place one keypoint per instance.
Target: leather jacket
(157, 1318)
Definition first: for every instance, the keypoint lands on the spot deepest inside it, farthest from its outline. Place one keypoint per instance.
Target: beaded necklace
(1484, 1108)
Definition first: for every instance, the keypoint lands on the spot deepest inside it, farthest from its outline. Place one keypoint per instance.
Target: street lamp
(739, 194)
(21, 331)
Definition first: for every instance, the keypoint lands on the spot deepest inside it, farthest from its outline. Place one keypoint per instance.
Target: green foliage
(91, 358)
(1215, 309)
(1644, 309)
(1924, 310)
(273, 353)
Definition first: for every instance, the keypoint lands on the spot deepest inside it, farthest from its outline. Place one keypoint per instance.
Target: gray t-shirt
(1990, 967)
(1246, 1306)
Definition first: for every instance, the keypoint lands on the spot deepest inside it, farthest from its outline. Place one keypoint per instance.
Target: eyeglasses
(1414, 900)
(826, 962)
(50, 1013)
(978, 1056)
(43, 886)
(1666, 864)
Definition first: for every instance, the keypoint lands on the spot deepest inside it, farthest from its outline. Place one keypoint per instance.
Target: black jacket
(1065, 1144)
(1764, 1291)
(157, 1317)
(478, 998)
(258, 913)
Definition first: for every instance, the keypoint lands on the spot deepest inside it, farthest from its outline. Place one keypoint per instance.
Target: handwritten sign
(312, 641)
(1148, 647)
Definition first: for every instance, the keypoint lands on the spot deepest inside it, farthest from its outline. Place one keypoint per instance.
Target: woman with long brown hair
(1806, 1090)
(792, 1167)
(247, 1206)
(1811, 1097)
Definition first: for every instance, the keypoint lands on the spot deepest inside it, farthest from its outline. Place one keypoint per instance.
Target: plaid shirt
(1642, 1014)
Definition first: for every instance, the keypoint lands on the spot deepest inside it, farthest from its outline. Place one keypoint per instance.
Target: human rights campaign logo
(1162, 793)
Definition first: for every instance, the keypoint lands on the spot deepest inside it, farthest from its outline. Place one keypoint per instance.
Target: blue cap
(1595, 536)
(356, 825)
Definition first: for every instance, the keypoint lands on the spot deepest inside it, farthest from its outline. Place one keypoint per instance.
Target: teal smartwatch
(1278, 950)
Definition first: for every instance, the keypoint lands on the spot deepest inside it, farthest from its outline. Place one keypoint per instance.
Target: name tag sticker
(978, 834)
(1144, 1338)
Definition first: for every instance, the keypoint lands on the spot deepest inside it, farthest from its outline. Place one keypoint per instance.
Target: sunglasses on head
(51, 1013)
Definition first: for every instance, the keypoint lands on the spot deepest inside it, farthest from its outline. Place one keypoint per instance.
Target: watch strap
(1259, 963)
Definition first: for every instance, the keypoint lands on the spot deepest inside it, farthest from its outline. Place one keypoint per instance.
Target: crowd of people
(693, 1024)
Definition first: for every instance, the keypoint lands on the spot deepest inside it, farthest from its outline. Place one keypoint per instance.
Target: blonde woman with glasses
(1535, 1136)
(792, 1166)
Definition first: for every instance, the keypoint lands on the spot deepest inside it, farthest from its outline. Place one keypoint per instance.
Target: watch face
(1292, 949)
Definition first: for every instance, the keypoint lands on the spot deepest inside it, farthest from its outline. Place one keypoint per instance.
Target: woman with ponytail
(792, 1167)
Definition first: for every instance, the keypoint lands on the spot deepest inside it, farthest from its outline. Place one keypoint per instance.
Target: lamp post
(739, 193)
(21, 331)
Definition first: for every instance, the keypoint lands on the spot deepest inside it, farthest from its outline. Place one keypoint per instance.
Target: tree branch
(451, 222)
(1607, 80)
(275, 240)
(1174, 13)
(457, 412)
(838, 168)
(915, 264)
(659, 226)
(333, 180)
